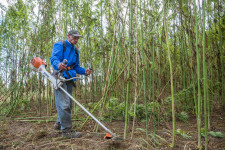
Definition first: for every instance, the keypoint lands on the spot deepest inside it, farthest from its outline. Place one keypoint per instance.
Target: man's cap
(74, 33)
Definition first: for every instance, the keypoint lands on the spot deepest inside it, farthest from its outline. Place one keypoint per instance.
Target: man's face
(73, 39)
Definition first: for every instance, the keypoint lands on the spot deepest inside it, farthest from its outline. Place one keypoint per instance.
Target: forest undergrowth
(32, 131)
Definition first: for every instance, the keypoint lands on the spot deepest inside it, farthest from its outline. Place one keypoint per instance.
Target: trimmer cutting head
(115, 138)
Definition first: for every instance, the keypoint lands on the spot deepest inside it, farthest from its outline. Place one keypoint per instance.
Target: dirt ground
(38, 133)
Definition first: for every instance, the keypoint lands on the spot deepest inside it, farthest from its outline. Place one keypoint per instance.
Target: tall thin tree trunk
(143, 63)
(205, 78)
(129, 66)
(171, 73)
(199, 76)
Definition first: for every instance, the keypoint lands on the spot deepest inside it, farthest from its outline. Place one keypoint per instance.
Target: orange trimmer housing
(37, 62)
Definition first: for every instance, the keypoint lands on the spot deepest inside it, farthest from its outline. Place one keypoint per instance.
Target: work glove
(62, 66)
(88, 71)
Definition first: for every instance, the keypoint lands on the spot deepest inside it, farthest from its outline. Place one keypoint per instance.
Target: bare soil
(29, 133)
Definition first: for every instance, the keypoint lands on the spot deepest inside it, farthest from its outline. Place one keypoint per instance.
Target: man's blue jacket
(73, 59)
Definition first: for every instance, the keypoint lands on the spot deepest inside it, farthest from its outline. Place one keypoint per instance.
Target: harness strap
(70, 80)
(71, 66)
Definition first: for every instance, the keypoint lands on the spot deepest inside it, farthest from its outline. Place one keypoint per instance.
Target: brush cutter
(38, 65)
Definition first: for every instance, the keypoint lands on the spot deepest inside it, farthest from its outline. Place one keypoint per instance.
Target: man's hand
(62, 66)
(88, 71)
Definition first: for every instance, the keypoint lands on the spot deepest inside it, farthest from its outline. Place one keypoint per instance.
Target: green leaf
(202, 132)
(216, 134)
(140, 129)
(183, 134)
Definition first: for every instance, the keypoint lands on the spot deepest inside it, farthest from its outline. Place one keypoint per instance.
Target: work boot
(57, 126)
(71, 134)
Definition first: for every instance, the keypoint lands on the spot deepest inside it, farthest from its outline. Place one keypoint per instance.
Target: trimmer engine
(36, 63)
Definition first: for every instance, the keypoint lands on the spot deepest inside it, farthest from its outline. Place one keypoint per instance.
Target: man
(66, 50)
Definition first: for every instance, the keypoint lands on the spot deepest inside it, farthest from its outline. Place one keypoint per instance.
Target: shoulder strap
(64, 46)
(76, 51)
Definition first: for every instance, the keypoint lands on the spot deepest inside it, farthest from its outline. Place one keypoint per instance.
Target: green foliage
(140, 110)
(116, 107)
(183, 116)
(24, 104)
(4, 110)
(91, 105)
(16, 18)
